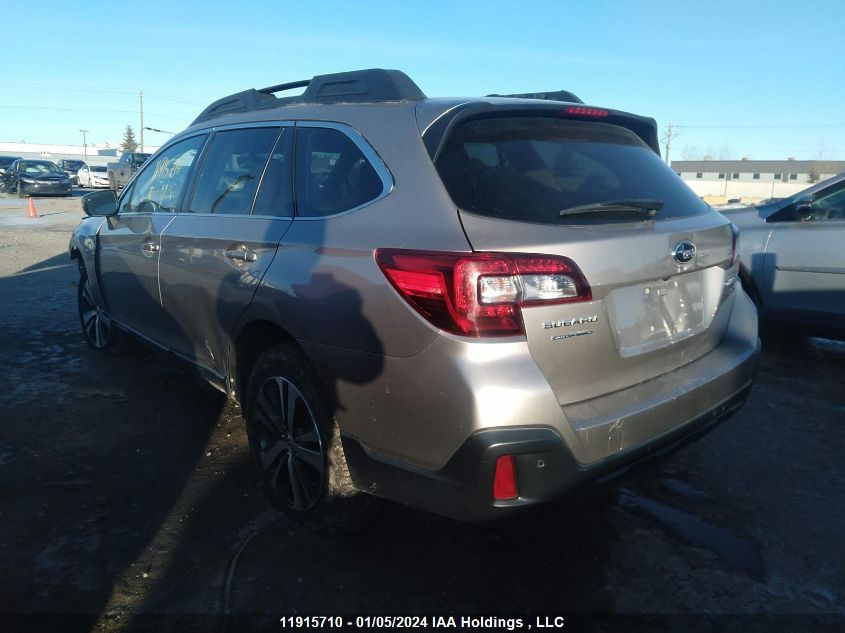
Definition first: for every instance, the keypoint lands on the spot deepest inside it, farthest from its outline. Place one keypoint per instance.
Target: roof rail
(558, 95)
(374, 84)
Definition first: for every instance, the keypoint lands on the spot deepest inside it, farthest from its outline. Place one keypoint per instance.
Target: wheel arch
(252, 339)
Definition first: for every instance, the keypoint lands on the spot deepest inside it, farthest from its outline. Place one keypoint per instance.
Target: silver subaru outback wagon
(465, 305)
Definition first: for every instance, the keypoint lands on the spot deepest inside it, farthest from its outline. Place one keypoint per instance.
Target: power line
(105, 91)
(101, 110)
(761, 127)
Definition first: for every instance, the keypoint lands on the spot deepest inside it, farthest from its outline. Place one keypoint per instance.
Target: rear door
(217, 249)
(652, 310)
(130, 242)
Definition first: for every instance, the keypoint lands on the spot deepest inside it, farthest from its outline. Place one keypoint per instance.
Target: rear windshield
(98, 168)
(73, 164)
(531, 168)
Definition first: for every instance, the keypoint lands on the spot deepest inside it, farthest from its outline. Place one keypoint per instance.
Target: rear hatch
(658, 261)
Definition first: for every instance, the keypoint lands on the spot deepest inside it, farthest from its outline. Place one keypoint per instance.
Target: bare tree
(824, 152)
(725, 152)
(708, 153)
(691, 152)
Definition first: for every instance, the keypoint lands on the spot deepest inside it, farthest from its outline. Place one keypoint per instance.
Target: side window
(830, 205)
(231, 171)
(332, 174)
(158, 188)
(275, 193)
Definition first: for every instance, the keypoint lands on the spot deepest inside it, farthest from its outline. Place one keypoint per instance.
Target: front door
(130, 242)
(805, 261)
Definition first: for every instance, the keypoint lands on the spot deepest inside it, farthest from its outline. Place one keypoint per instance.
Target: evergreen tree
(129, 144)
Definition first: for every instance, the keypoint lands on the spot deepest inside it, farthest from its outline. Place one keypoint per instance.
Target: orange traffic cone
(32, 213)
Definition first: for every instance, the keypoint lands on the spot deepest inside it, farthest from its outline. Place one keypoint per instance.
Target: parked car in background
(70, 167)
(121, 172)
(793, 259)
(93, 176)
(6, 162)
(466, 305)
(30, 177)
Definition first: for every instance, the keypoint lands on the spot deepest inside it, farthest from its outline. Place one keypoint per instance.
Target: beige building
(754, 180)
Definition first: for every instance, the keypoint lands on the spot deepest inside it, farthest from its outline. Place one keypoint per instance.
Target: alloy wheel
(290, 449)
(96, 323)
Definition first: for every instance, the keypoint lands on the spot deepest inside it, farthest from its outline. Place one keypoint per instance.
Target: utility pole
(141, 95)
(85, 143)
(667, 141)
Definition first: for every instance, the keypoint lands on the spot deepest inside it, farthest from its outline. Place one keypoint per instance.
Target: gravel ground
(128, 500)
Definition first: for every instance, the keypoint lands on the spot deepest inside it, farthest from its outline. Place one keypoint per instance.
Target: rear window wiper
(648, 208)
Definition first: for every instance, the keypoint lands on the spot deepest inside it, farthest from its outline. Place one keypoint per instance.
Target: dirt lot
(127, 499)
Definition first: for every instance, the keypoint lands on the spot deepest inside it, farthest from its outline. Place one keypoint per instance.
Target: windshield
(73, 164)
(39, 167)
(531, 168)
(97, 168)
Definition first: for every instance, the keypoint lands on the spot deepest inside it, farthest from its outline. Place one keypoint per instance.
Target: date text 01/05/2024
(419, 622)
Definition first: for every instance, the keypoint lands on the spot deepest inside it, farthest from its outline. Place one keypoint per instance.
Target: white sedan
(93, 176)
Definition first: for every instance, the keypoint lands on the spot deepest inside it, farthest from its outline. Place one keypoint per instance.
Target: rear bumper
(546, 469)
(426, 431)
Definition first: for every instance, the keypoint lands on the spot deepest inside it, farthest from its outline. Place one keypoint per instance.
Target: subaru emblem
(684, 252)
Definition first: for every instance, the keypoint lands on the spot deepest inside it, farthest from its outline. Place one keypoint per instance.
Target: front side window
(829, 204)
(332, 173)
(159, 187)
(231, 171)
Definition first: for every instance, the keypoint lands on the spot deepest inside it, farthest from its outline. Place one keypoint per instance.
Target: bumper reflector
(504, 480)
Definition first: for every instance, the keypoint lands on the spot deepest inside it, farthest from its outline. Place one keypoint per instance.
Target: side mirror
(795, 211)
(100, 203)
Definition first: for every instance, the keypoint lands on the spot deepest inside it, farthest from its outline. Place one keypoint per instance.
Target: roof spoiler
(558, 95)
(374, 84)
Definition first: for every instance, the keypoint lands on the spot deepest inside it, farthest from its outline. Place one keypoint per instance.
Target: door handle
(242, 255)
(150, 247)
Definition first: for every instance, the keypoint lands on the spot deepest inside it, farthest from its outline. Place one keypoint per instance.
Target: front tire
(98, 329)
(296, 445)
(112, 182)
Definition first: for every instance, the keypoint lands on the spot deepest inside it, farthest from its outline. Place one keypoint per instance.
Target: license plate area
(649, 316)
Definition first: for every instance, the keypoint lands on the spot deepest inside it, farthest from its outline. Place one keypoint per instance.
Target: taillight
(480, 294)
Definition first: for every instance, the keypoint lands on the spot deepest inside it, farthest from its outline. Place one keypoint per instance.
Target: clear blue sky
(772, 69)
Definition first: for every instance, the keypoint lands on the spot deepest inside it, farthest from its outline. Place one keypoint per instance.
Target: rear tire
(296, 446)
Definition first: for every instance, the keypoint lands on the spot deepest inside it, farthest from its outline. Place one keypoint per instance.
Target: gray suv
(465, 305)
